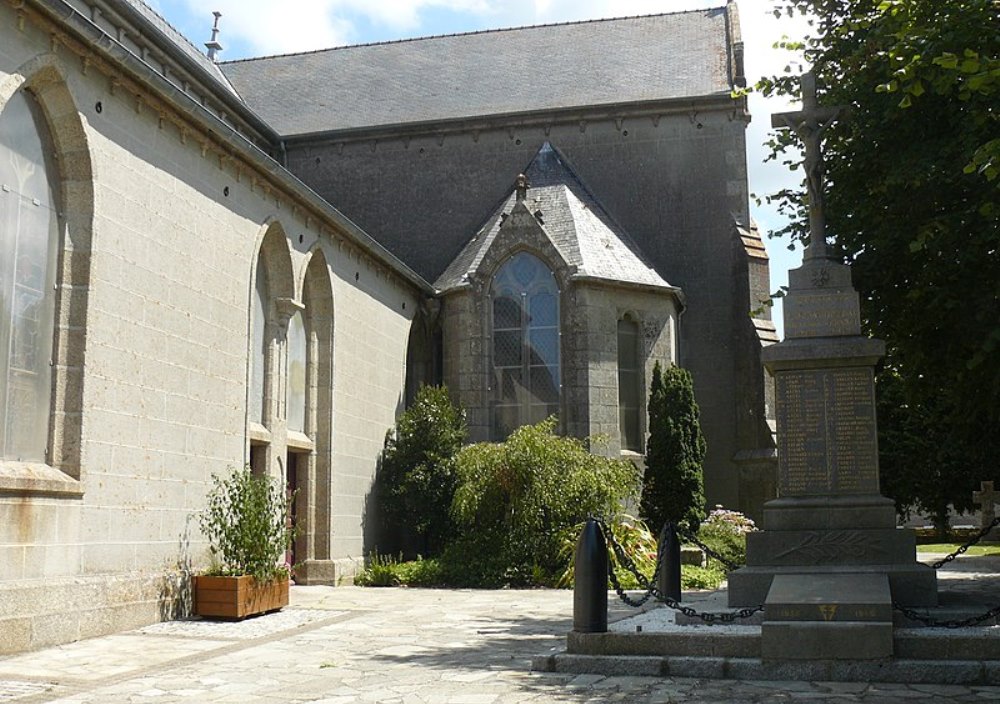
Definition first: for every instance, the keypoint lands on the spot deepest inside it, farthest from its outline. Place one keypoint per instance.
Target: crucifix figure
(809, 124)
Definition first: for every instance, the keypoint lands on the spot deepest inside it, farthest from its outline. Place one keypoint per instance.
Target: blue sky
(264, 27)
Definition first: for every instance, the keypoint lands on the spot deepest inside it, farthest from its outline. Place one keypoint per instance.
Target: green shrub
(380, 572)
(419, 573)
(515, 499)
(246, 522)
(416, 478)
(389, 571)
(695, 577)
(672, 483)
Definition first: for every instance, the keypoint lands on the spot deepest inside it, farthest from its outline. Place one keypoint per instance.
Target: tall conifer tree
(673, 488)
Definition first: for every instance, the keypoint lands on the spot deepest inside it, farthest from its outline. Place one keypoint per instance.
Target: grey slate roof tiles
(545, 67)
(584, 235)
(180, 42)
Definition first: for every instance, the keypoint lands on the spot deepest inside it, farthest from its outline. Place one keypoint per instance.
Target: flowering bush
(725, 532)
(732, 521)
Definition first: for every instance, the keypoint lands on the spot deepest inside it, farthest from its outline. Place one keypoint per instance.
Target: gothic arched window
(261, 304)
(526, 382)
(297, 365)
(29, 246)
(630, 385)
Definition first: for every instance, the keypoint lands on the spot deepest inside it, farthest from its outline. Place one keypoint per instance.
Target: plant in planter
(246, 521)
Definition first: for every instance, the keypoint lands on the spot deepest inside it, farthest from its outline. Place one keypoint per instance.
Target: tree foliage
(416, 480)
(673, 489)
(913, 203)
(516, 499)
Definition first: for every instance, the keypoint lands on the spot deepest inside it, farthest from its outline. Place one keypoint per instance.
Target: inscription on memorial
(822, 314)
(826, 432)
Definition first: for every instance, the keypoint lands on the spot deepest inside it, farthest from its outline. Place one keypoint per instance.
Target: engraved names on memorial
(826, 432)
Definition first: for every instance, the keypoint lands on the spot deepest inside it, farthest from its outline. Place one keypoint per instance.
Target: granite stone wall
(162, 232)
(674, 177)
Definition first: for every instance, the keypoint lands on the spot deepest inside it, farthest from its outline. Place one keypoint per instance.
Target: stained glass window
(29, 241)
(629, 385)
(296, 382)
(259, 342)
(526, 382)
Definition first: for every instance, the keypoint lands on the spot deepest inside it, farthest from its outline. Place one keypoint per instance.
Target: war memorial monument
(832, 583)
(830, 561)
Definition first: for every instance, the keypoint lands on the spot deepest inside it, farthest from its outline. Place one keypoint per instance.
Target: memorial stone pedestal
(830, 518)
(830, 543)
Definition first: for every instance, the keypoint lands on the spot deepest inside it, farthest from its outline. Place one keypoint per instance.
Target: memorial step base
(911, 585)
(827, 617)
(791, 548)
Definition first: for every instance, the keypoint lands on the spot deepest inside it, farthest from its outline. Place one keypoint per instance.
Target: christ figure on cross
(809, 124)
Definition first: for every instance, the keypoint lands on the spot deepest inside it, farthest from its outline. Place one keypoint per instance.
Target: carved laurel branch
(829, 545)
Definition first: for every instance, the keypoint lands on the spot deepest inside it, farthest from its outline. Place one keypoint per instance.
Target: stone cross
(986, 498)
(809, 124)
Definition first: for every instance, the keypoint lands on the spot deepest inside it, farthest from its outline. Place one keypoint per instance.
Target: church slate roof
(496, 72)
(178, 40)
(585, 236)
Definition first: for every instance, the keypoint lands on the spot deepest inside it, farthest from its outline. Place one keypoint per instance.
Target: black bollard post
(668, 581)
(590, 583)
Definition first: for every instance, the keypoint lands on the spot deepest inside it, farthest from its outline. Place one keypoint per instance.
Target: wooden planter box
(237, 597)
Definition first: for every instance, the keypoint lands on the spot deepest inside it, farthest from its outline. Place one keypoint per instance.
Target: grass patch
(975, 550)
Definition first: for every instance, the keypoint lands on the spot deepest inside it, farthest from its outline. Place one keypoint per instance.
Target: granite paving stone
(349, 645)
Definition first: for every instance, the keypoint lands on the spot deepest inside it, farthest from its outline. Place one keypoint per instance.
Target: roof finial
(213, 45)
(521, 186)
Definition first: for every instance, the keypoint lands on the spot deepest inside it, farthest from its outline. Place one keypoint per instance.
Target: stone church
(207, 264)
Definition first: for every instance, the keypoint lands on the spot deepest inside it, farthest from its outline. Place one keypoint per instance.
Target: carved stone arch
(314, 478)
(44, 78)
(632, 315)
(496, 257)
(271, 302)
(274, 251)
(423, 348)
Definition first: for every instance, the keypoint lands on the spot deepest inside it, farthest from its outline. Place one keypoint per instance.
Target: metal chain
(993, 613)
(949, 558)
(690, 537)
(947, 623)
(652, 591)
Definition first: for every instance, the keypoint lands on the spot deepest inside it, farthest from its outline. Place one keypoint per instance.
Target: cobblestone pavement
(347, 644)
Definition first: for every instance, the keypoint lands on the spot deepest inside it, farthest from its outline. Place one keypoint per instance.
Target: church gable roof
(177, 41)
(558, 66)
(585, 237)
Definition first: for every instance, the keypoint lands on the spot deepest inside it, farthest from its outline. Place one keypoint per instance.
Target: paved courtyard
(347, 644)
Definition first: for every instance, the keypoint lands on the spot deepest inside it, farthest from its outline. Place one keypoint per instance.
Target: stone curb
(963, 672)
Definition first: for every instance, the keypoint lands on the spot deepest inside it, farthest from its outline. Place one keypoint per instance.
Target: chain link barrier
(961, 551)
(947, 623)
(690, 537)
(991, 615)
(653, 592)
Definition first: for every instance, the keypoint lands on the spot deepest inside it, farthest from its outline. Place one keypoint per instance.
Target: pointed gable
(590, 244)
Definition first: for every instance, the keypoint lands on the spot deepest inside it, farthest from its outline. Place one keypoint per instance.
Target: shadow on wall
(176, 595)
(372, 527)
